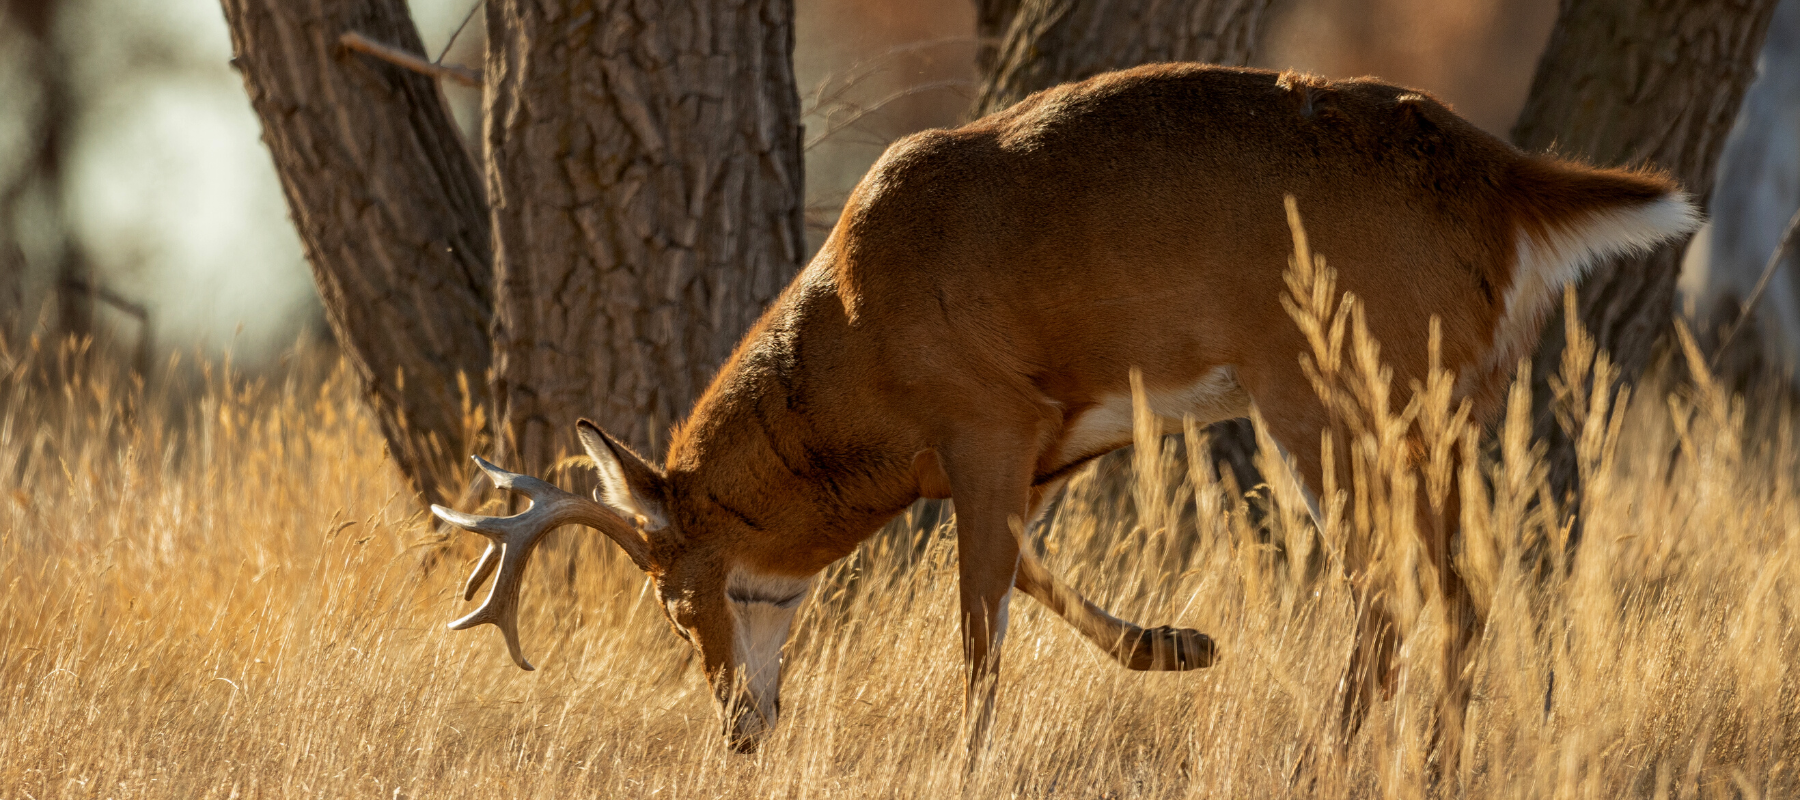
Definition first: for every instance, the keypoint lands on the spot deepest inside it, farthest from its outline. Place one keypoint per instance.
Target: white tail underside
(1547, 264)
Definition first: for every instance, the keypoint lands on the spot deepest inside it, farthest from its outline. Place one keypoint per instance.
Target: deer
(969, 327)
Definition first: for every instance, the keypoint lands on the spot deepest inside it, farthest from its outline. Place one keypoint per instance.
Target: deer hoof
(1166, 649)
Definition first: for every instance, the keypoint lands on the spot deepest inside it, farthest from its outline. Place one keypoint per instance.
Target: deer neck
(788, 445)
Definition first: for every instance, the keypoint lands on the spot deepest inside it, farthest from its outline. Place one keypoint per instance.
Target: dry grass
(224, 597)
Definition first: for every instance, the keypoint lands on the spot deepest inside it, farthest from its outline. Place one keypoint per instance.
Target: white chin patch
(762, 611)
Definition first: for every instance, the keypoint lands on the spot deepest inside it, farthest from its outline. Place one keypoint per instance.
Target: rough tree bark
(992, 17)
(645, 177)
(390, 210)
(1048, 42)
(1626, 82)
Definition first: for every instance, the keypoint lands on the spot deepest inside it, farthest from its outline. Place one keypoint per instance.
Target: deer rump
(968, 328)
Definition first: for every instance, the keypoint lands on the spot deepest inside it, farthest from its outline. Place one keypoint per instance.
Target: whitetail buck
(968, 329)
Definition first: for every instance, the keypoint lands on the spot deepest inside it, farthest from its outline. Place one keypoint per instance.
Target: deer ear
(628, 483)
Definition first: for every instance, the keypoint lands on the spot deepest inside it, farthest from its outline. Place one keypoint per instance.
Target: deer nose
(746, 733)
(743, 745)
(747, 726)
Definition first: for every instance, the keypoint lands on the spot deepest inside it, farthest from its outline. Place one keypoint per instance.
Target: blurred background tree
(33, 230)
(135, 199)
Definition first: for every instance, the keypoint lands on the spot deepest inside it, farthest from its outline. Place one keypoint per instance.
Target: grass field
(222, 590)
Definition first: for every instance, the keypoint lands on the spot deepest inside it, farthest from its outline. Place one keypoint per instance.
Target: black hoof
(1166, 649)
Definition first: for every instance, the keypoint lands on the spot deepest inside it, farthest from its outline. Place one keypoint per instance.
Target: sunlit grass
(226, 592)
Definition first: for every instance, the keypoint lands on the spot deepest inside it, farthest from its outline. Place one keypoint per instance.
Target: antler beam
(511, 540)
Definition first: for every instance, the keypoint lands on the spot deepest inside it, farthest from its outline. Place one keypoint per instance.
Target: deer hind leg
(1295, 419)
(1161, 648)
(1371, 671)
(1371, 665)
(1439, 526)
(1296, 423)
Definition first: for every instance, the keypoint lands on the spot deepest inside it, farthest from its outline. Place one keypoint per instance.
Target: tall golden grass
(225, 592)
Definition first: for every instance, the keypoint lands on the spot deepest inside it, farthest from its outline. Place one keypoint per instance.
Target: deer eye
(743, 597)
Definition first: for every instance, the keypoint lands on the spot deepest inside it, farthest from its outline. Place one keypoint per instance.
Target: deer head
(735, 618)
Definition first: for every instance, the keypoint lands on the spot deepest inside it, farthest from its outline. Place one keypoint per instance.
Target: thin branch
(863, 111)
(1762, 283)
(459, 29)
(110, 297)
(861, 70)
(393, 55)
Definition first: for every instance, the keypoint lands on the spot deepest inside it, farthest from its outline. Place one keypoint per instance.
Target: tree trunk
(992, 17)
(645, 175)
(1057, 41)
(1628, 82)
(390, 210)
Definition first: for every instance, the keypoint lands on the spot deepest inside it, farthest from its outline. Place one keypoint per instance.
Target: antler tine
(513, 481)
(490, 558)
(501, 609)
(511, 541)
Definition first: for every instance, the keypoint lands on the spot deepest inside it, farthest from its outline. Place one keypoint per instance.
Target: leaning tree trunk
(1048, 42)
(390, 211)
(645, 175)
(992, 17)
(1628, 82)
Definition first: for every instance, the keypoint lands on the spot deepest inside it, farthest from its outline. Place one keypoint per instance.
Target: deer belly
(1107, 426)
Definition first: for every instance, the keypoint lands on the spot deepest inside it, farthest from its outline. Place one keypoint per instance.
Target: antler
(511, 540)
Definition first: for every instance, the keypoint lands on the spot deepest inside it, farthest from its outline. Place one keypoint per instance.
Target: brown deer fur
(968, 329)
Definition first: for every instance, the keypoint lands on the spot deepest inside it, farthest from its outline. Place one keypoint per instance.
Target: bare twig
(109, 297)
(859, 112)
(826, 93)
(1762, 283)
(459, 29)
(400, 58)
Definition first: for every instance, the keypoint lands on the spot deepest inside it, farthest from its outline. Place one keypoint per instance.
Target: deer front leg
(987, 558)
(990, 482)
(1162, 648)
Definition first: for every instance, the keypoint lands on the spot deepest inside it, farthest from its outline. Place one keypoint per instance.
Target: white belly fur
(1215, 397)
